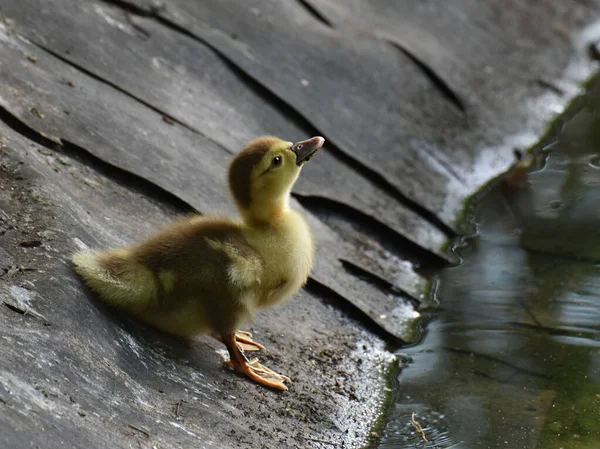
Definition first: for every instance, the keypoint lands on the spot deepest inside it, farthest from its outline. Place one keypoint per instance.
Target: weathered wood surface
(73, 374)
(186, 80)
(145, 105)
(489, 56)
(382, 109)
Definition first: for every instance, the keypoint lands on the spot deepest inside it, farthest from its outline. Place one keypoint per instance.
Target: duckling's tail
(117, 278)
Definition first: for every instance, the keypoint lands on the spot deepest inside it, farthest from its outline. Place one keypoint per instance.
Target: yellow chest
(287, 252)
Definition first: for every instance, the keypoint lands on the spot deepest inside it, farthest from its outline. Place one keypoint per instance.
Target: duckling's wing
(192, 255)
(205, 255)
(207, 275)
(244, 265)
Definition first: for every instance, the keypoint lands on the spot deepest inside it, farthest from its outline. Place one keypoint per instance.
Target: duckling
(209, 275)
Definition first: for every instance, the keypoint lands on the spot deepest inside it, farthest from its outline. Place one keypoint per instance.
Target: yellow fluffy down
(134, 288)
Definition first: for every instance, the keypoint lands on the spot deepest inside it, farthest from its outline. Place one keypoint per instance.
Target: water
(511, 358)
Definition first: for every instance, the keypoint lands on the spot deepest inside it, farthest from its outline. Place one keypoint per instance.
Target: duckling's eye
(276, 161)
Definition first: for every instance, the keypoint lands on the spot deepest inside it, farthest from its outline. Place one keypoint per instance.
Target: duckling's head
(261, 176)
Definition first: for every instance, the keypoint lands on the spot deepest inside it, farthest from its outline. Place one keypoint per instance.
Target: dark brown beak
(306, 148)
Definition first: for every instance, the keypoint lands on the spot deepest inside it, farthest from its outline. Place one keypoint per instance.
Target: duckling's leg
(244, 341)
(253, 370)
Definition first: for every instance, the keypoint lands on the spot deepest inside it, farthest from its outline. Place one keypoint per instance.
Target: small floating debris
(418, 427)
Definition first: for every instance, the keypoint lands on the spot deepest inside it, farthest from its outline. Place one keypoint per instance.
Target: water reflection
(512, 357)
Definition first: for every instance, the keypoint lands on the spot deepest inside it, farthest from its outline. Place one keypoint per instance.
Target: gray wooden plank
(488, 53)
(125, 133)
(373, 100)
(186, 80)
(83, 376)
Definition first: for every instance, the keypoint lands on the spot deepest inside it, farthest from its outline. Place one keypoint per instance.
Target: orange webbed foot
(252, 369)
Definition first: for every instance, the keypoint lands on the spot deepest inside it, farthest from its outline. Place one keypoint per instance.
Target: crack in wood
(122, 177)
(139, 429)
(316, 13)
(167, 117)
(436, 79)
(445, 89)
